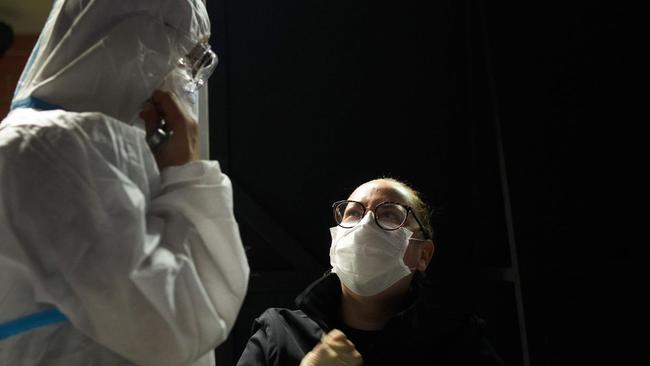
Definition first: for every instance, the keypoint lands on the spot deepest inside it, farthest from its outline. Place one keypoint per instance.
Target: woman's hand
(182, 145)
(334, 349)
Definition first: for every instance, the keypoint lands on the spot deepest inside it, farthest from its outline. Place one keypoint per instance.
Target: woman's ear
(426, 252)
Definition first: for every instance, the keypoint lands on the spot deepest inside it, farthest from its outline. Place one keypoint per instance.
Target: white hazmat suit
(104, 260)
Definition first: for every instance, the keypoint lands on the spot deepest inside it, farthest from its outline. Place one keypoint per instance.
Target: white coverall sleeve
(160, 281)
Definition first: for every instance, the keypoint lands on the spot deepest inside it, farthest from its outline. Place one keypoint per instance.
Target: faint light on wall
(25, 16)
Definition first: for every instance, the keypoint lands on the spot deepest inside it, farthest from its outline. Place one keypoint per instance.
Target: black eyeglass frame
(365, 209)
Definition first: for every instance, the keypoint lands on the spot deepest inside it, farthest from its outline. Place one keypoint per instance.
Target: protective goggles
(200, 62)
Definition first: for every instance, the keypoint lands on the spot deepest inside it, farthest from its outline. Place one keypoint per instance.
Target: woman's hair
(420, 208)
(6, 37)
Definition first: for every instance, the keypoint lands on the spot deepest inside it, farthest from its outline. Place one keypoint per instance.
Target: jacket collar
(321, 301)
(424, 318)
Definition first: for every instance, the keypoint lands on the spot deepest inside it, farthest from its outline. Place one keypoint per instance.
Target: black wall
(494, 110)
(566, 77)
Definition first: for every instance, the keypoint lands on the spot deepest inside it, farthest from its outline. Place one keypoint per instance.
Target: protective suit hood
(106, 56)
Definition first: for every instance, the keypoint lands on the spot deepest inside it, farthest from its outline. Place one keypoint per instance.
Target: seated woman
(372, 308)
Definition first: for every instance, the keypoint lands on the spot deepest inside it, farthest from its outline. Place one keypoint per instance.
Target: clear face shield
(185, 80)
(191, 74)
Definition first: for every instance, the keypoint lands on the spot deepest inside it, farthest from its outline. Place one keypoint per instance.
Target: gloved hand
(333, 349)
(182, 146)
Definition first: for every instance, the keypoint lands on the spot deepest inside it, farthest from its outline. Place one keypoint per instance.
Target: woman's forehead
(377, 191)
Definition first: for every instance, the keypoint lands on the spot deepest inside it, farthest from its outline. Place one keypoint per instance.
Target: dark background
(512, 118)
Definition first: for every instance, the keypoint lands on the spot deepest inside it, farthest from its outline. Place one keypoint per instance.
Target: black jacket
(421, 334)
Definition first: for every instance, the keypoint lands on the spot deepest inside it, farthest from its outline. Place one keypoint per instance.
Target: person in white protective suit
(111, 254)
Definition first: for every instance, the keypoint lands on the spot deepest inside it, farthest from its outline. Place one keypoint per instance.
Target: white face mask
(368, 259)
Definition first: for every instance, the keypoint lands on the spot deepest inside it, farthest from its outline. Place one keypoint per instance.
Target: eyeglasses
(200, 63)
(388, 215)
